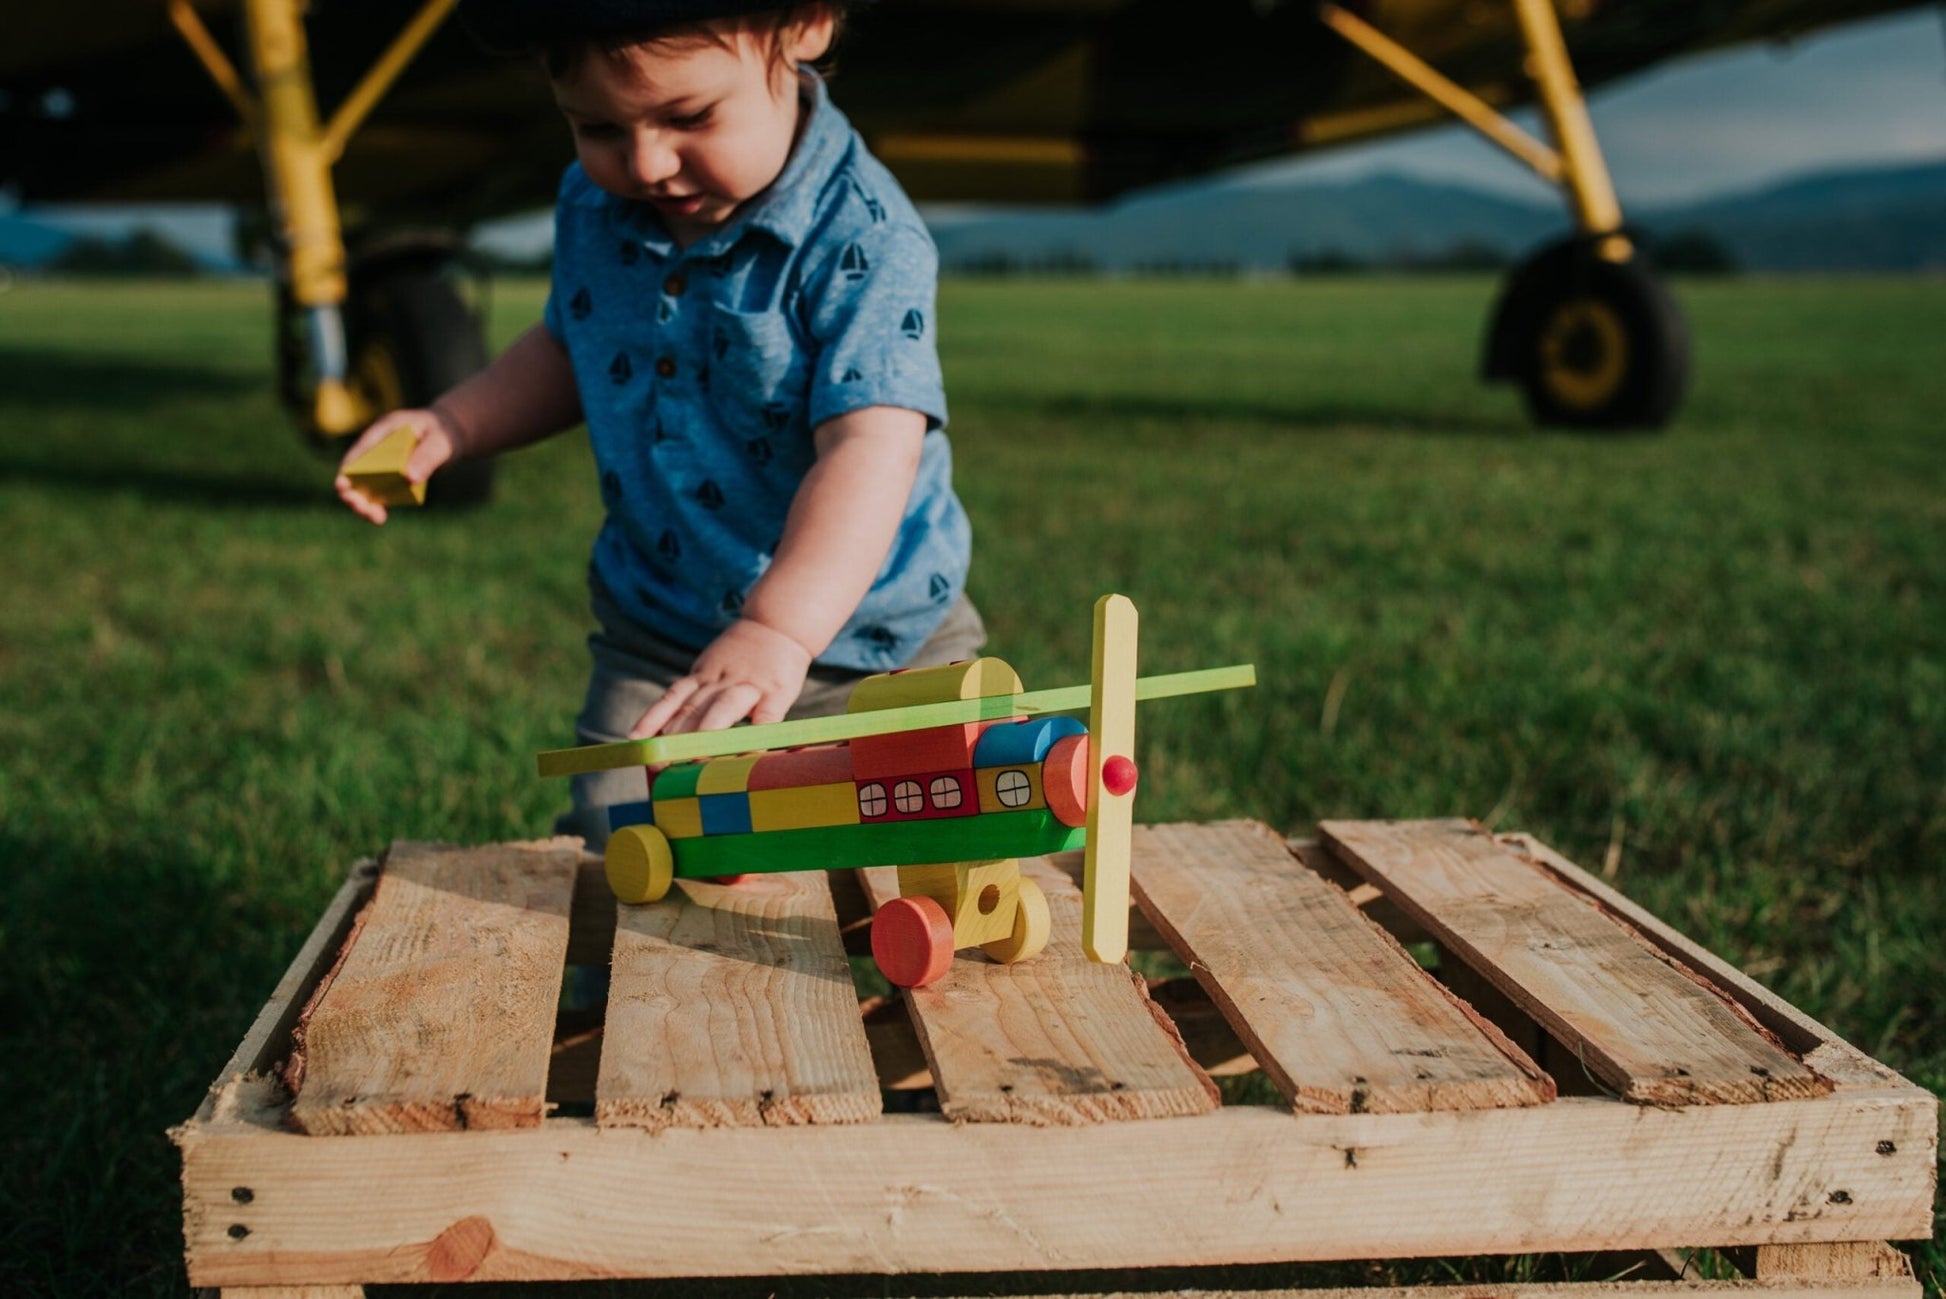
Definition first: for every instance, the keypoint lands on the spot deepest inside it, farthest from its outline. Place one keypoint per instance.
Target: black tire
(1593, 344)
(411, 336)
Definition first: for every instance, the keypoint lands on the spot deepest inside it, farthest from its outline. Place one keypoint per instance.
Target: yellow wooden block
(980, 897)
(804, 807)
(680, 818)
(379, 474)
(989, 778)
(726, 775)
(973, 679)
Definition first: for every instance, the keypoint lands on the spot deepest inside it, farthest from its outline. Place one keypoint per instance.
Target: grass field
(1710, 664)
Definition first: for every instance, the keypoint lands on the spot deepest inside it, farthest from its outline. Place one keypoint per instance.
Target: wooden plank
(441, 1012)
(1859, 1259)
(1058, 1039)
(734, 1006)
(1339, 1015)
(1647, 1288)
(918, 1194)
(1206, 1035)
(1651, 1034)
(1819, 1047)
(1792, 1288)
(268, 1039)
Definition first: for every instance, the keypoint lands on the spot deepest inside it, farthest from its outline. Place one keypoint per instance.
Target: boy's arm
(527, 393)
(840, 528)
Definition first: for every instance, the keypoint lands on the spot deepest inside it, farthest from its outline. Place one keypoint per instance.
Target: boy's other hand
(436, 446)
(749, 671)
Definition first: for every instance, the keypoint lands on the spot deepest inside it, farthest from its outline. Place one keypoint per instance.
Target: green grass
(1711, 661)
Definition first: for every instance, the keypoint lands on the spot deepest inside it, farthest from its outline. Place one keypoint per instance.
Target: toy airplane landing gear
(952, 774)
(942, 909)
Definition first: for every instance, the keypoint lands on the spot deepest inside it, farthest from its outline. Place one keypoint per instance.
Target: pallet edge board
(1579, 1174)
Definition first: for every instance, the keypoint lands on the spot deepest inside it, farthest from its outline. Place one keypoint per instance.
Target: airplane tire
(411, 338)
(1594, 344)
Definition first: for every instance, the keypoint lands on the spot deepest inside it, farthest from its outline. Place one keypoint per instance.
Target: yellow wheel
(1031, 927)
(640, 865)
(1584, 355)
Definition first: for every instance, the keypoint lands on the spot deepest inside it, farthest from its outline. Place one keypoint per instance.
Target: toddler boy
(742, 311)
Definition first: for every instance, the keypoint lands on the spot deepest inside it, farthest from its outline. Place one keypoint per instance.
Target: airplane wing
(1014, 100)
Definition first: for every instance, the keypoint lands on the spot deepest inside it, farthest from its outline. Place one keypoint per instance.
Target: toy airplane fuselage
(946, 793)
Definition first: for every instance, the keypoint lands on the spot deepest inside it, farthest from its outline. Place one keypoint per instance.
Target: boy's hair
(564, 56)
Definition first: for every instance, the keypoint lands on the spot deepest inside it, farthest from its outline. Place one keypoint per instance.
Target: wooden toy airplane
(952, 774)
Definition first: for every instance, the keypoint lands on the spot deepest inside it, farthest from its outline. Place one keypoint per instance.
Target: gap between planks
(1342, 1019)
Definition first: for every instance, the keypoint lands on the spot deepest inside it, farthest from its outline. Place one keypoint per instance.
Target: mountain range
(1866, 219)
(1869, 219)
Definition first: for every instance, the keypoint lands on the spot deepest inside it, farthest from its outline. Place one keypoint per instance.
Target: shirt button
(674, 285)
(666, 367)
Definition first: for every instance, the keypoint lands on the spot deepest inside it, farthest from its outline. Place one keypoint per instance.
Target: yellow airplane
(372, 132)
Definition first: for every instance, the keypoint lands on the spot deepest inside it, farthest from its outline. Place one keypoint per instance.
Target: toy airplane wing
(850, 726)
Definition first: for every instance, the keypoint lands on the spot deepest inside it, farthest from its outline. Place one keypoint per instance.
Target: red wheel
(912, 941)
(728, 879)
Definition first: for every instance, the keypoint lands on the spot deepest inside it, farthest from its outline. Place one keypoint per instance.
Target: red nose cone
(1118, 775)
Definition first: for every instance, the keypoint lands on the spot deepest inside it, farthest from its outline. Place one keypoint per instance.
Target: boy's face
(692, 127)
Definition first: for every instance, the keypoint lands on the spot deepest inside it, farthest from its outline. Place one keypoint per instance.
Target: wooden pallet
(411, 1107)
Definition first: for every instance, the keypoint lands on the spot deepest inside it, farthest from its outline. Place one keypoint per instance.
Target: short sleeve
(869, 306)
(572, 193)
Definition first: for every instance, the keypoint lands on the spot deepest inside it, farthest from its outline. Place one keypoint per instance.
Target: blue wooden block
(621, 814)
(1020, 744)
(725, 813)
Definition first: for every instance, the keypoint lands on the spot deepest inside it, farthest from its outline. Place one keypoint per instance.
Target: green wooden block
(986, 836)
(678, 781)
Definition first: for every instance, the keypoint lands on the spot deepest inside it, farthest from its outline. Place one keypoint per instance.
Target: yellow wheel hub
(1584, 354)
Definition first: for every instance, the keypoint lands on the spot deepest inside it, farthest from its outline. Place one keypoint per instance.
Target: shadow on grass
(1322, 417)
(177, 486)
(61, 379)
(126, 979)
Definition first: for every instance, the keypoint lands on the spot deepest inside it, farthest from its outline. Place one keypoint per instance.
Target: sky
(1868, 93)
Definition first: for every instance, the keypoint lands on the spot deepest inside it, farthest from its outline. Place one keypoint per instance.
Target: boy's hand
(749, 671)
(437, 445)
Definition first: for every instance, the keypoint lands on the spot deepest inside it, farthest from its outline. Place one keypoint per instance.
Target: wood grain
(918, 1194)
(1055, 1040)
(440, 1012)
(1645, 1030)
(734, 1005)
(1339, 1015)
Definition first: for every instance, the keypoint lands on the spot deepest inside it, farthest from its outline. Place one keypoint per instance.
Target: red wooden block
(922, 796)
(826, 764)
(937, 748)
(1064, 780)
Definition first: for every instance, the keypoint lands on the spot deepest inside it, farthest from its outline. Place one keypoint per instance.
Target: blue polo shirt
(704, 370)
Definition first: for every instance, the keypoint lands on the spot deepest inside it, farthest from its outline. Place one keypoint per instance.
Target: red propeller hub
(1118, 774)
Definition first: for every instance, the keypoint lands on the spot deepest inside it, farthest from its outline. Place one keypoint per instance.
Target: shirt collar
(786, 208)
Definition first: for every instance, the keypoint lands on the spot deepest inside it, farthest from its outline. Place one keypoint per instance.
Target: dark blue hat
(530, 24)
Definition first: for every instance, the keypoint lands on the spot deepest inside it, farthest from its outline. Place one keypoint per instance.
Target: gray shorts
(633, 667)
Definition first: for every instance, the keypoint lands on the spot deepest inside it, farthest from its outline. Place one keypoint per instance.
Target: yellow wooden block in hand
(379, 474)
